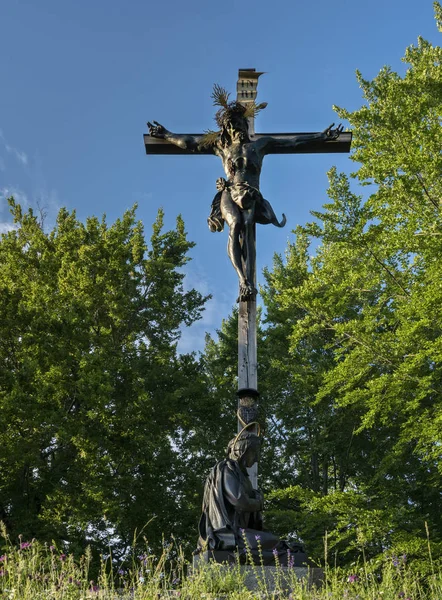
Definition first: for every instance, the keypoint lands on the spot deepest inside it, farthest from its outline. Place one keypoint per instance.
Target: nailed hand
(333, 134)
(156, 129)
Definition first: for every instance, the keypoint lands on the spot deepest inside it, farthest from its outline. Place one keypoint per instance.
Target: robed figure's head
(244, 448)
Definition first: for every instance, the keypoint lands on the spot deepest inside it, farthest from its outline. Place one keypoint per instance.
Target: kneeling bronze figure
(231, 525)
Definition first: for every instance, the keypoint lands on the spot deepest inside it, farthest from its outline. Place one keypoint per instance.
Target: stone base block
(228, 557)
(261, 578)
(231, 557)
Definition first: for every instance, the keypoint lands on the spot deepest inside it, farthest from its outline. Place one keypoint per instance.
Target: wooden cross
(247, 346)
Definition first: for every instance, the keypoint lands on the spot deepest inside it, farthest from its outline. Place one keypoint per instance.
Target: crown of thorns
(224, 115)
(220, 97)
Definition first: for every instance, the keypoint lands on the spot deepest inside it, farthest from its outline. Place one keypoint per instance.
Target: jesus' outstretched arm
(184, 141)
(270, 145)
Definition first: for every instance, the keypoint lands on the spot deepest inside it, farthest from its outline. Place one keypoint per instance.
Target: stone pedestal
(230, 557)
(263, 578)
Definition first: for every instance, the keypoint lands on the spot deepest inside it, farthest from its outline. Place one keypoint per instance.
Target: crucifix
(239, 203)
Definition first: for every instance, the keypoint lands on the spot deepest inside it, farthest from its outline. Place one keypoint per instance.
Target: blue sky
(80, 79)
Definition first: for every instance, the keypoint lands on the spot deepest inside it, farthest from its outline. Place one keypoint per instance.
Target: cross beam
(342, 144)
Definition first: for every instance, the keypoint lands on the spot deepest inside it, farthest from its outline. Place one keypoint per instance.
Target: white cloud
(18, 154)
(43, 199)
(19, 196)
(6, 227)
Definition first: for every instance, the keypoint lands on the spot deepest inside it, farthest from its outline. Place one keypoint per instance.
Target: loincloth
(245, 197)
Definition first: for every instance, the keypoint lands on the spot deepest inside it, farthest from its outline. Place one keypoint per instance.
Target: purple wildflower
(352, 578)
(399, 561)
(257, 538)
(63, 557)
(3, 558)
(51, 548)
(290, 560)
(121, 571)
(24, 545)
(275, 552)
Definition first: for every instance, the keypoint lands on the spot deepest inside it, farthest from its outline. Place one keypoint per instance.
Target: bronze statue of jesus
(239, 201)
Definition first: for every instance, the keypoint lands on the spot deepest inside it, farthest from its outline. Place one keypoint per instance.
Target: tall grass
(30, 570)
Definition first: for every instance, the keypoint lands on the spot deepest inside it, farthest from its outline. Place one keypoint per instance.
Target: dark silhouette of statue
(231, 522)
(239, 202)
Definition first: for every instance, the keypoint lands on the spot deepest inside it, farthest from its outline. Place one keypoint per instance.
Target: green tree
(353, 338)
(95, 401)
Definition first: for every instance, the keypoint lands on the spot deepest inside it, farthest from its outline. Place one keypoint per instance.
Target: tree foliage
(107, 431)
(95, 402)
(351, 356)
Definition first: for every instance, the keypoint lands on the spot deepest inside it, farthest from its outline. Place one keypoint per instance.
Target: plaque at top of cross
(238, 201)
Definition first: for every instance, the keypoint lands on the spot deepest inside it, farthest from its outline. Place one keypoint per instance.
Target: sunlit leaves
(354, 332)
(95, 401)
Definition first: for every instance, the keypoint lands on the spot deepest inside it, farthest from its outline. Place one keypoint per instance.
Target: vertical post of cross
(246, 89)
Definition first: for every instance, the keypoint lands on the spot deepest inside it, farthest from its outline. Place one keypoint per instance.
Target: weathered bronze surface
(231, 521)
(239, 202)
(342, 144)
